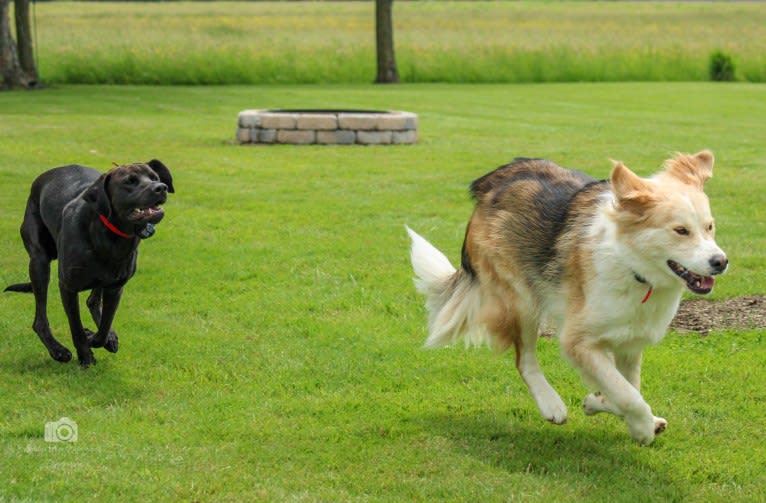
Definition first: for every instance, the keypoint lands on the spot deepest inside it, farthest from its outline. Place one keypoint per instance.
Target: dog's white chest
(628, 320)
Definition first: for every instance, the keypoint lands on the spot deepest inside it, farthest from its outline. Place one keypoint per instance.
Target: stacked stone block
(326, 127)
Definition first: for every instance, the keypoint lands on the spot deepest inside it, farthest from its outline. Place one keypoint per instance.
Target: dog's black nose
(160, 188)
(719, 263)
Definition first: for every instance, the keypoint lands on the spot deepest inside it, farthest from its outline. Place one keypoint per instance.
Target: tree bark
(24, 39)
(384, 42)
(11, 73)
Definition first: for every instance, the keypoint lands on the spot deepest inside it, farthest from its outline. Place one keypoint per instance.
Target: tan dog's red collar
(642, 280)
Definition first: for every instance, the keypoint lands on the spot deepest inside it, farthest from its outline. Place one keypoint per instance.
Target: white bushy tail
(452, 296)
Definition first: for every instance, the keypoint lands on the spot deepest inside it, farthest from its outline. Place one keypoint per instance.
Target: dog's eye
(681, 231)
(132, 180)
(710, 227)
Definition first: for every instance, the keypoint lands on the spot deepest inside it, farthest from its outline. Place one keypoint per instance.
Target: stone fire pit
(327, 127)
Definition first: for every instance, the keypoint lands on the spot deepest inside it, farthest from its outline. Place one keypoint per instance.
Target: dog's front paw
(554, 410)
(642, 427)
(112, 344)
(60, 354)
(659, 425)
(86, 359)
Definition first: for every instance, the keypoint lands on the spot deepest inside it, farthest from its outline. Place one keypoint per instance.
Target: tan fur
(594, 256)
(692, 170)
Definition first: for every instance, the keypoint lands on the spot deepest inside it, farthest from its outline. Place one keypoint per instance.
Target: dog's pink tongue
(707, 282)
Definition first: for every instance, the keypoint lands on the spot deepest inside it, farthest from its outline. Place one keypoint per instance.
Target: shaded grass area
(270, 342)
(333, 42)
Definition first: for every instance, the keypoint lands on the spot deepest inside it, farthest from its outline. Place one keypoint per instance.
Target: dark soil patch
(702, 316)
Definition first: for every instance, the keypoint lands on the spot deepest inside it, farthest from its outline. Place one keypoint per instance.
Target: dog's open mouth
(152, 213)
(694, 282)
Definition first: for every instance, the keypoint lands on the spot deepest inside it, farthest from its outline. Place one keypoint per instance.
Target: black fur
(62, 221)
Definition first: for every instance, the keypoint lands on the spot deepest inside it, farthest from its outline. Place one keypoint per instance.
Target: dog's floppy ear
(692, 170)
(163, 172)
(633, 193)
(98, 196)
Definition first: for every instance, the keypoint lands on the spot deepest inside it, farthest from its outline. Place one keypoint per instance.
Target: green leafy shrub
(721, 67)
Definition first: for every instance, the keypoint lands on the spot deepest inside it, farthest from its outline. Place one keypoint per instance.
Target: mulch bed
(702, 316)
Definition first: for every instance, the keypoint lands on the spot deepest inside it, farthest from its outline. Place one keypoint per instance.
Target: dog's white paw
(597, 402)
(642, 427)
(553, 409)
(659, 425)
(593, 404)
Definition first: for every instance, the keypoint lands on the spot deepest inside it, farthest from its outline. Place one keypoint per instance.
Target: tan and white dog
(605, 261)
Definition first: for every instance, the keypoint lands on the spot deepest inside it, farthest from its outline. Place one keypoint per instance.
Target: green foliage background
(333, 42)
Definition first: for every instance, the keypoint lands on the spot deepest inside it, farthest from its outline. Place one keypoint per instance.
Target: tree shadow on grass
(601, 465)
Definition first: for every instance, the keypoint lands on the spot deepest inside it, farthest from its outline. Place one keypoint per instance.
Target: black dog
(92, 223)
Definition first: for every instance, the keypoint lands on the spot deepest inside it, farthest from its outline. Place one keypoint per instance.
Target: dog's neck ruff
(109, 225)
(642, 280)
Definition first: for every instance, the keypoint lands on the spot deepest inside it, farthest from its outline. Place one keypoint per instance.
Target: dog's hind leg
(42, 250)
(510, 327)
(39, 273)
(548, 401)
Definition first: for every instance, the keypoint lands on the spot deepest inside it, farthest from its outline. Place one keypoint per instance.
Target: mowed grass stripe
(271, 339)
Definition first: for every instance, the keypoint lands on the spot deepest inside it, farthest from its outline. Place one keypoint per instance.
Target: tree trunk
(24, 40)
(11, 72)
(384, 42)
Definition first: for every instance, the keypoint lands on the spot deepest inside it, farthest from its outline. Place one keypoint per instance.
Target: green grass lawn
(271, 339)
(444, 41)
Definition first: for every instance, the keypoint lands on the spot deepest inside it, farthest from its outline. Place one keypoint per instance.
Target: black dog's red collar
(109, 225)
